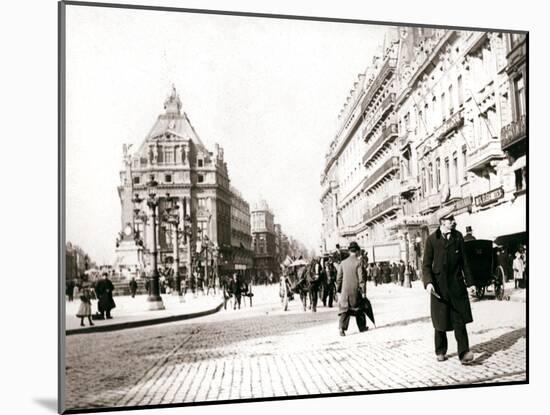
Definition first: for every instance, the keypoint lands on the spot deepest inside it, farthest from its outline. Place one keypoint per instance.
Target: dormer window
(200, 162)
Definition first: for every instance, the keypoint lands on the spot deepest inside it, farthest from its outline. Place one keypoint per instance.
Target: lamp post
(173, 218)
(407, 267)
(154, 299)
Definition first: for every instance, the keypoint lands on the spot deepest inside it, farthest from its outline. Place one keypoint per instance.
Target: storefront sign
(465, 202)
(489, 197)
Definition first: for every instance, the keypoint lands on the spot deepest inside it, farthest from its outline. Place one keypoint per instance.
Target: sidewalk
(133, 312)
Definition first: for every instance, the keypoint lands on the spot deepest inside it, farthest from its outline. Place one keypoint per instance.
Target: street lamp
(154, 299)
(173, 218)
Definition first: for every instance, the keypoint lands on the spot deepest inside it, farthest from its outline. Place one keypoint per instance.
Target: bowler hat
(449, 216)
(353, 246)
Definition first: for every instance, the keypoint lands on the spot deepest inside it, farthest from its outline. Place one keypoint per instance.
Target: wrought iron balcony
(429, 203)
(389, 205)
(388, 135)
(387, 168)
(378, 116)
(513, 133)
(386, 71)
(409, 184)
(453, 123)
(483, 156)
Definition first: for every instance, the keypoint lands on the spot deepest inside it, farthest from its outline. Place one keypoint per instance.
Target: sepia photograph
(263, 207)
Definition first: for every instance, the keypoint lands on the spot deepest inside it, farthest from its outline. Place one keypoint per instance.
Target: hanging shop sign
(489, 197)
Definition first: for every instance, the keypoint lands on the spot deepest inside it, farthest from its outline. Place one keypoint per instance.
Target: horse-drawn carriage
(488, 275)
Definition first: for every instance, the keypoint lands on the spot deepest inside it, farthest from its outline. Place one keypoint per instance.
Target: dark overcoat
(104, 290)
(446, 267)
(350, 275)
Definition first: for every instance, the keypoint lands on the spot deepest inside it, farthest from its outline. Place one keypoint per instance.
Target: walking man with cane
(350, 276)
(445, 274)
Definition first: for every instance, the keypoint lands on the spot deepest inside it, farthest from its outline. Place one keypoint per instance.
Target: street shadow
(424, 319)
(48, 403)
(487, 349)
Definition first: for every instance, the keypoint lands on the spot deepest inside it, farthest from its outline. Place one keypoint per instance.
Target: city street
(265, 352)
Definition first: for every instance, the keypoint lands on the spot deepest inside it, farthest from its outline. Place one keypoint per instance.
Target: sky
(267, 90)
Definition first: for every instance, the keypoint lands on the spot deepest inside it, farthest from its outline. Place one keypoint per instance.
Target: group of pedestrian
(386, 272)
(234, 289)
(102, 290)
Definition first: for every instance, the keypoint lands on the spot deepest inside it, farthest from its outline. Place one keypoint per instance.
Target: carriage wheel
(480, 292)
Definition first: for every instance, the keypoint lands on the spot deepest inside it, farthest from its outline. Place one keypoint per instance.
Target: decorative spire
(172, 105)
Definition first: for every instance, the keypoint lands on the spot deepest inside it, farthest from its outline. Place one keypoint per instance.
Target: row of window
(434, 173)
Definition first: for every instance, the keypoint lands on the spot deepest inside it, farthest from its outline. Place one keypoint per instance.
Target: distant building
(241, 237)
(263, 240)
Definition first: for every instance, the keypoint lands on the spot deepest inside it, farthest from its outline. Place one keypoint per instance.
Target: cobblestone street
(265, 352)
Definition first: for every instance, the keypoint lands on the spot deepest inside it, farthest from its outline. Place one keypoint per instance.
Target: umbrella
(367, 308)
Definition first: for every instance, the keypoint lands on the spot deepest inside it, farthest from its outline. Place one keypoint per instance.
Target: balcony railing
(453, 123)
(483, 155)
(513, 133)
(385, 71)
(389, 166)
(409, 184)
(429, 203)
(390, 204)
(389, 133)
(385, 107)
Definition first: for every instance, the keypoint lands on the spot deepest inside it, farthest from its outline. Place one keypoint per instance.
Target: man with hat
(350, 276)
(444, 269)
(469, 236)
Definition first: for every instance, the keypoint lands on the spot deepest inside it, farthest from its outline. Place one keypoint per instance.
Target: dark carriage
(486, 273)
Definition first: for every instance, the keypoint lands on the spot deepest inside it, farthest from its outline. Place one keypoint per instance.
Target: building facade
(174, 156)
(263, 241)
(241, 236)
(443, 126)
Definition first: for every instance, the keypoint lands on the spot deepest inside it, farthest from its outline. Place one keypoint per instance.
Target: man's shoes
(441, 357)
(467, 358)
(363, 330)
(342, 333)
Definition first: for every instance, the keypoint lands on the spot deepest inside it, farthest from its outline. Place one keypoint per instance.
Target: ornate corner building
(174, 156)
(436, 124)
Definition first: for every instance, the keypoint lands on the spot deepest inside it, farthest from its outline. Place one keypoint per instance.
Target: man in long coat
(445, 269)
(104, 291)
(350, 276)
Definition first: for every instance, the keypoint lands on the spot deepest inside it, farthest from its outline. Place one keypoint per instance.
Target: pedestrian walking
(386, 273)
(314, 279)
(401, 272)
(445, 274)
(284, 291)
(70, 290)
(375, 274)
(518, 267)
(104, 292)
(302, 285)
(350, 274)
(85, 308)
(235, 289)
(394, 273)
(133, 287)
